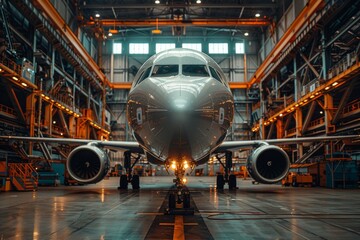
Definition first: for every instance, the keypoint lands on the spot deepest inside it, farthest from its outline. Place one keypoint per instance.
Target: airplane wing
(114, 145)
(236, 145)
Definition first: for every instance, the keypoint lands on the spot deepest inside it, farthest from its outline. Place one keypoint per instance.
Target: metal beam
(289, 36)
(343, 101)
(308, 117)
(15, 102)
(59, 23)
(127, 85)
(176, 5)
(184, 23)
(64, 123)
(310, 65)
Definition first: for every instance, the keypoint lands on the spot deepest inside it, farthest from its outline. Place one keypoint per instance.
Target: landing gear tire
(186, 200)
(123, 182)
(172, 201)
(220, 182)
(232, 182)
(135, 182)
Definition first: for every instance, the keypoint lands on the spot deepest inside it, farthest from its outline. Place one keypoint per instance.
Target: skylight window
(218, 48)
(139, 48)
(117, 48)
(194, 46)
(239, 48)
(159, 47)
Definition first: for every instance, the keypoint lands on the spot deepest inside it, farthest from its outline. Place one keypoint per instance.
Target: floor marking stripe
(179, 228)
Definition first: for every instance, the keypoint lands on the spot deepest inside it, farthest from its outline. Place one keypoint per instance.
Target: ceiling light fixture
(246, 34)
(97, 15)
(109, 34)
(257, 15)
(157, 1)
(198, 1)
(157, 30)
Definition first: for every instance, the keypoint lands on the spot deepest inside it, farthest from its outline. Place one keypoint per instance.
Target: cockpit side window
(165, 70)
(144, 75)
(214, 74)
(195, 70)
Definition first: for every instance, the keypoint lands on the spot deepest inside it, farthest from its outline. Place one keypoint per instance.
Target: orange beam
(238, 85)
(58, 22)
(170, 22)
(289, 36)
(127, 85)
(120, 85)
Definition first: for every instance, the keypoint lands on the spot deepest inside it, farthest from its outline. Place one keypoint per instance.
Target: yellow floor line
(179, 228)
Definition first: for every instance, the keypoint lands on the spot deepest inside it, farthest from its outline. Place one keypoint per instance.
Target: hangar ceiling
(186, 18)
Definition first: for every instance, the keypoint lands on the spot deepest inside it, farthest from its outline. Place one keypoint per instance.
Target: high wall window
(138, 48)
(218, 48)
(239, 48)
(159, 47)
(117, 48)
(194, 46)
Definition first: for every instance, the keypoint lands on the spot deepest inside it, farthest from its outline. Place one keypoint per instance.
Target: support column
(30, 117)
(48, 117)
(299, 126)
(279, 128)
(329, 108)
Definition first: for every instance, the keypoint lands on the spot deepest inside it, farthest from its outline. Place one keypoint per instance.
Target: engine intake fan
(268, 164)
(88, 164)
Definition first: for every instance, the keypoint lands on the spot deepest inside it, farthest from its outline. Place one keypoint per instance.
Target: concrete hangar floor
(251, 212)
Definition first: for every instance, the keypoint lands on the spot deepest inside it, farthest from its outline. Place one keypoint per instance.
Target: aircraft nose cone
(181, 102)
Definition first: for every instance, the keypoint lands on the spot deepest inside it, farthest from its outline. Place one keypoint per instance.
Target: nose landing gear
(179, 197)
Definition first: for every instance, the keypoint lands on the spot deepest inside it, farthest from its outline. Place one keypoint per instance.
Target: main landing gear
(129, 178)
(226, 178)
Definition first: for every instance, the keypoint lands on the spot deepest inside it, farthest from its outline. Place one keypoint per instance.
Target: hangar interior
(66, 68)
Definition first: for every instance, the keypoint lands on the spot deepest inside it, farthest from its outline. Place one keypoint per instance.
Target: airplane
(180, 108)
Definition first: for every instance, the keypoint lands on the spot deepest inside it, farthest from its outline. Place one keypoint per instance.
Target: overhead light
(257, 15)
(97, 15)
(334, 84)
(156, 31)
(321, 112)
(15, 78)
(47, 98)
(54, 122)
(24, 84)
(312, 96)
(296, 105)
(246, 34)
(1, 70)
(157, 1)
(109, 34)
(198, 1)
(281, 115)
(327, 88)
(305, 100)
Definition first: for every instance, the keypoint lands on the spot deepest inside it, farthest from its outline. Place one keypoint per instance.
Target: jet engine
(268, 164)
(88, 164)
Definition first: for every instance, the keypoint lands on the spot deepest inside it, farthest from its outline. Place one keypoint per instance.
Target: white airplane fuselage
(182, 108)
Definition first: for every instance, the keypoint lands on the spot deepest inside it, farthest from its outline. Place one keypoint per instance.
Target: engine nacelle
(88, 164)
(268, 164)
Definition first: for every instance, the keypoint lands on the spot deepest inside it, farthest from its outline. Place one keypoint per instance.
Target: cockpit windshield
(165, 70)
(195, 70)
